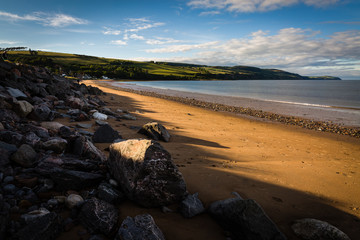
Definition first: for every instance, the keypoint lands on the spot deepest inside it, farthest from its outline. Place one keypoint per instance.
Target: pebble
(8, 179)
(10, 188)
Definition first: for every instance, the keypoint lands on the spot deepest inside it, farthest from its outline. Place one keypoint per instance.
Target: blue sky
(309, 37)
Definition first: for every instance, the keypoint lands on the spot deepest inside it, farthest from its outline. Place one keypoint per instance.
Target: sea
(318, 93)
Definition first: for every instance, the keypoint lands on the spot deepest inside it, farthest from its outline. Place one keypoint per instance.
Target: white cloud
(255, 5)
(46, 19)
(136, 37)
(109, 31)
(6, 42)
(162, 40)
(118, 42)
(211, 13)
(182, 48)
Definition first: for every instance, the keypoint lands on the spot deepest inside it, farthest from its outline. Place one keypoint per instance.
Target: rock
(245, 219)
(1, 126)
(5, 152)
(84, 125)
(107, 193)
(146, 173)
(42, 112)
(8, 116)
(139, 228)
(191, 206)
(25, 156)
(85, 148)
(98, 216)
(23, 108)
(99, 116)
(72, 200)
(41, 132)
(16, 93)
(155, 131)
(30, 216)
(127, 117)
(105, 134)
(57, 145)
(44, 227)
(10, 188)
(101, 123)
(75, 102)
(313, 229)
(32, 139)
(54, 126)
(11, 137)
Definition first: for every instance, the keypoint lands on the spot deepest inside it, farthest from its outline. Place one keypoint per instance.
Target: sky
(308, 37)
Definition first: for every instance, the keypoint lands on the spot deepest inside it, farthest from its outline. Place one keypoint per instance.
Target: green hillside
(96, 67)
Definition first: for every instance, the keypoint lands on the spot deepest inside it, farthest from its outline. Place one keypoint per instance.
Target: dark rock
(66, 132)
(75, 102)
(105, 134)
(10, 188)
(245, 219)
(8, 115)
(42, 112)
(4, 217)
(57, 145)
(44, 227)
(31, 216)
(191, 206)
(5, 152)
(11, 137)
(32, 139)
(84, 125)
(139, 228)
(98, 216)
(85, 133)
(146, 173)
(85, 148)
(313, 229)
(16, 93)
(25, 156)
(107, 193)
(41, 132)
(155, 131)
(127, 117)
(101, 123)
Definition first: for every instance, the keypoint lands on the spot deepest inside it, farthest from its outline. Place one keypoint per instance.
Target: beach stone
(245, 219)
(11, 137)
(44, 227)
(146, 172)
(54, 126)
(57, 145)
(127, 117)
(100, 116)
(191, 206)
(10, 188)
(138, 228)
(313, 229)
(25, 156)
(109, 194)
(23, 108)
(155, 131)
(30, 216)
(75, 102)
(101, 123)
(16, 93)
(5, 152)
(32, 139)
(8, 116)
(41, 132)
(84, 125)
(72, 200)
(1, 126)
(42, 112)
(82, 146)
(105, 134)
(98, 216)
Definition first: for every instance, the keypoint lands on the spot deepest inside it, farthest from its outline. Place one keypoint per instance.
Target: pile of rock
(48, 168)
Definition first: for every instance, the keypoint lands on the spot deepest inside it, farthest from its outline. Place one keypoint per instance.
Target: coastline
(291, 172)
(329, 119)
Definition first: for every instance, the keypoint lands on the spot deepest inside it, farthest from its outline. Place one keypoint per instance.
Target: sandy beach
(291, 172)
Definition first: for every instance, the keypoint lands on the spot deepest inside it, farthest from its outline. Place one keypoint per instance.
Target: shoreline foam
(332, 120)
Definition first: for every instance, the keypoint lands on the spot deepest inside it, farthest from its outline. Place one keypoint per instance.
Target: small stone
(16, 93)
(52, 202)
(99, 116)
(60, 199)
(10, 188)
(105, 134)
(72, 200)
(191, 206)
(23, 108)
(101, 123)
(25, 156)
(8, 179)
(84, 125)
(57, 145)
(54, 126)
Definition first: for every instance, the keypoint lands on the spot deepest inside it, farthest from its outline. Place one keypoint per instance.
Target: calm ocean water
(324, 93)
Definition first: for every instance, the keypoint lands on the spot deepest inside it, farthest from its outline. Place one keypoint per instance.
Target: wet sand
(291, 172)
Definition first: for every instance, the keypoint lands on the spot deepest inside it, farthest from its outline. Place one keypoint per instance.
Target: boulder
(191, 206)
(23, 108)
(98, 216)
(57, 145)
(313, 229)
(109, 194)
(25, 156)
(155, 131)
(139, 228)
(83, 147)
(42, 112)
(105, 134)
(245, 219)
(43, 227)
(146, 172)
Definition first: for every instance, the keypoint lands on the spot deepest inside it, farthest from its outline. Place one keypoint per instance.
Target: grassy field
(154, 70)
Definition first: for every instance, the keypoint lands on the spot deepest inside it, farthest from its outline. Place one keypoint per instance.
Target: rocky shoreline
(322, 126)
(54, 179)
